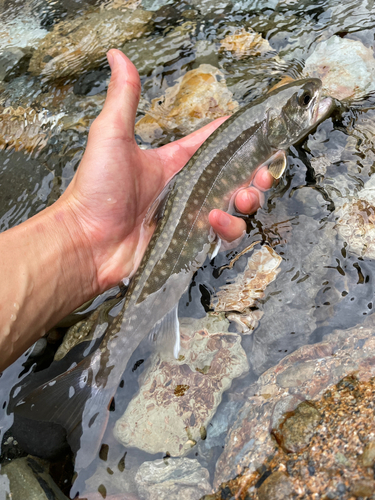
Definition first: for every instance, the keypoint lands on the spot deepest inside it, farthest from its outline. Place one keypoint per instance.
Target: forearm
(46, 272)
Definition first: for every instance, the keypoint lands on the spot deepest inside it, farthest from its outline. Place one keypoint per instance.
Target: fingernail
(110, 59)
(224, 220)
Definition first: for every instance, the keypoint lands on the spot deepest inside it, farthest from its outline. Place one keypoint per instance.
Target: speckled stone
(368, 457)
(73, 47)
(277, 486)
(296, 431)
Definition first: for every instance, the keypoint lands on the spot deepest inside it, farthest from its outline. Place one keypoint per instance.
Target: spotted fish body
(179, 246)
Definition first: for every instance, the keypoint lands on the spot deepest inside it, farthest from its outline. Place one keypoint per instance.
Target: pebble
(244, 44)
(277, 486)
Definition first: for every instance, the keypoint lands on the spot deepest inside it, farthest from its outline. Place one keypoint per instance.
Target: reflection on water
(318, 219)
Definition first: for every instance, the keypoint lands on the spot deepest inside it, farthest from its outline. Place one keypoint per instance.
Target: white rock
(346, 67)
(172, 479)
(178, 397)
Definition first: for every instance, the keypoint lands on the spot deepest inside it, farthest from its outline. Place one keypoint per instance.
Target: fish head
(296, 109)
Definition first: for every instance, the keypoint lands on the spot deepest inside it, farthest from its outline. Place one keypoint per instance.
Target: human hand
(116, 182)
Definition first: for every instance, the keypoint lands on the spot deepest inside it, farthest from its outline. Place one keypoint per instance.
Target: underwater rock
(356, 221)
(172, 479)
(346, 67)
(29, 480)
(112, 479)
(25, 128)
(262, 268)
(244, 44)
(210, 6)
(368, 456)
(13, 61)
(21, 32)
(277, 486)
(249, 441)
(236, 299)
(148, 54)
(295, 432)
(178, 397)
(154, 5)
(73, 47)
(197, 98)
(121, 4)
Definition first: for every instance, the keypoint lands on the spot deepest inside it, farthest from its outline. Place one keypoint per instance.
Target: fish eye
(305, 99)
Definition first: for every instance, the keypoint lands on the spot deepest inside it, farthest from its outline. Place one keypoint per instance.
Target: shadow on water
(312, 219)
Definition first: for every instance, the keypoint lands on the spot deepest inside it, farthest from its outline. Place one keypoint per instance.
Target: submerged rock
(277, 486)
(356, 221)
(172, 479)
(245, 44)
(13, 61)
(28, 479)
(261, 270)
(346, 67)
(73, 47)
(198, 97)
(178, 397)
(25, 128)
(305, 374)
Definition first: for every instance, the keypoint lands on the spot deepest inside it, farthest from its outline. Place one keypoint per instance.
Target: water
(322, 285)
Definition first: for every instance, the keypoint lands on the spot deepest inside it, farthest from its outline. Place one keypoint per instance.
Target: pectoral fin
(277, 164)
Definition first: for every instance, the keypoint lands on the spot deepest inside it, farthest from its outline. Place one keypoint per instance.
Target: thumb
(123, 94)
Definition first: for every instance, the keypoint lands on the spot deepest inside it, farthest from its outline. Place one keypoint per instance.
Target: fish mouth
(322, 109)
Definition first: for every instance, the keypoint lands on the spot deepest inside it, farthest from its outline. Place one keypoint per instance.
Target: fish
(258, 134)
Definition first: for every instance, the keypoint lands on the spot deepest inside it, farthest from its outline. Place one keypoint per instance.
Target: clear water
(322, 285)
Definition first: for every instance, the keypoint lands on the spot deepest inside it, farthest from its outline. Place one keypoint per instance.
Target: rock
(249, 442)
(277, 486)
(210, 6)
(346, 67)
(150, 54)
(244, 44)
(296, 431)
(197, 98)
(368, 457)
(109, 478)
(73, 47)
(178, 398)
(154, 5)
(13, 62)
(172, 479)
(363, 488)
(21, 32)
(121, 4)
(25, 128)
(249, 286)
(29, 479)
(356, 221)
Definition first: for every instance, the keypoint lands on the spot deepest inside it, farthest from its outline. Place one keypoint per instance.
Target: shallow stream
(312, 219)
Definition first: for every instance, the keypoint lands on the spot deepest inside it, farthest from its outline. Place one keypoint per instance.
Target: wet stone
(346, 67)
(172, 479)
(277, 486)
(65, 50)
(179, 397)
(13, 62)
(363, 488)
(295, 433)
(28, 479)
(244, 44)
(368, 457)
(198, 97)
